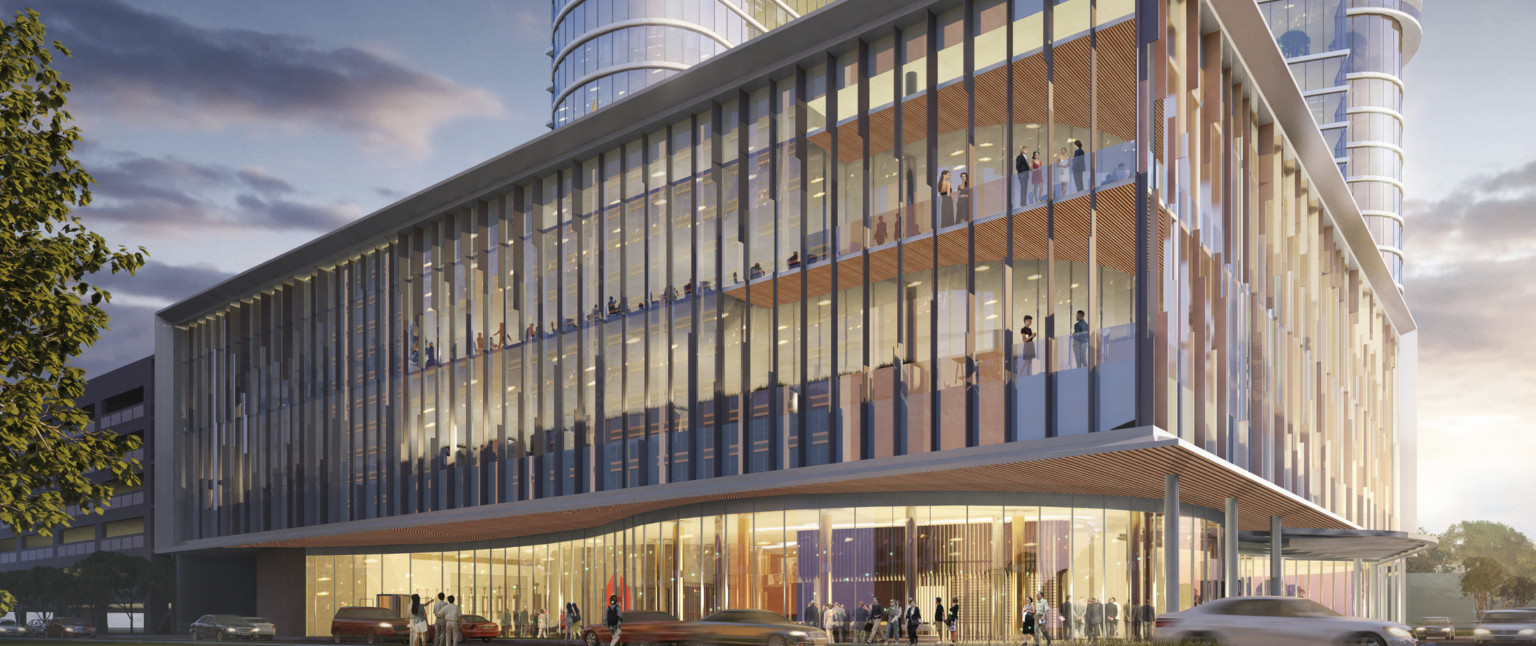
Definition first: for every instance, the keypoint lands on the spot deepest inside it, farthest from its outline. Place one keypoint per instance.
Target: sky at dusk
(222, 134)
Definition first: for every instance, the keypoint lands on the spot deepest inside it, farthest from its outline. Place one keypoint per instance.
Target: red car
(368, 624)
(68, 627)
(470, 627)
(639, 627)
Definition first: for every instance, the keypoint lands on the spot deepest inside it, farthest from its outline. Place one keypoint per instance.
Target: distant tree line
(102, 583)
(1497, 563)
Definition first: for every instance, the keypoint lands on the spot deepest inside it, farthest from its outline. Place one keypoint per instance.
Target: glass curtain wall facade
(605, 50)
(784, 555)
(832, 266)
(1347, 56)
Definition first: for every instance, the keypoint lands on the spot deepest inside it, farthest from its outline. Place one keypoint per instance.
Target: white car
(10, 628)
(1275, 621)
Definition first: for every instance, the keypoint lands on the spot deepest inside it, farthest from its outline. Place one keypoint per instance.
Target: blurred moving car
(1275, 621)
(9, 628)
(1432, 627)
(264, 629)
(470, 627)
(68, 627)
(1505, 627)
(222, 627)
(757, 627)
(368, 623)
(35, 627)
(639, 627)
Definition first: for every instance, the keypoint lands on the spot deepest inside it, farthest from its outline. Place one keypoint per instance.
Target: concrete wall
(1439, 595)
(279, 573)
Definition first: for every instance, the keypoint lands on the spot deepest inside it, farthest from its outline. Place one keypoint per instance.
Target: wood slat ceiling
(1116, 97)
(1138, 473)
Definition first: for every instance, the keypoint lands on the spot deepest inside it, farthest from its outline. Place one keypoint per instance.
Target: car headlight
(385, 624)
(67, 629)
(1479, 631)
(799, 634)
(230, 629)
(1398, 631)
(1528, 631)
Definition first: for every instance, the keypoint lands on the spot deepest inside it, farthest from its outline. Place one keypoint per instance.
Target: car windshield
(747, 617)
(229, 620)
(256, 620)
(71, 621)
(1436, 621)
(1306, 608)
(1509, 617)
(473, 619)
(365, 613)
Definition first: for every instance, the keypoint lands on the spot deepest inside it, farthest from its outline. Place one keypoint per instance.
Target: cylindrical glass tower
(1348, 56)
(605, 50)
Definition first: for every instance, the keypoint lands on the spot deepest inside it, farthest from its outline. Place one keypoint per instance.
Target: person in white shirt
(437, 620)
(451, 623)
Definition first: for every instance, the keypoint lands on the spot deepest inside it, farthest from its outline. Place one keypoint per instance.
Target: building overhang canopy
(1337, 544)
(1127, 463)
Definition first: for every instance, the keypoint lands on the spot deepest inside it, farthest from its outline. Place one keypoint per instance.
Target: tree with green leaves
(1481, 580)
(1518, 591)
(1487, 539)
(116, 582)
(49, 312)
(1439, 559)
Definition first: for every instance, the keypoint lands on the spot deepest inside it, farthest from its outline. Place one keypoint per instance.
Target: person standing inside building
(1066, 618)
(946, 202)
(418, 622)
(506, 622)
(1094, 619)
(1027, 346)
(1079, 611)
(1080, 340)
(952, 620)
(451, 621)
(1061, 172)
(913, 620)
(1027, 622)
(543, 623)
(1021, 168)
(1079, 165)
(613, 619)
(1112, 619)
(829, 621)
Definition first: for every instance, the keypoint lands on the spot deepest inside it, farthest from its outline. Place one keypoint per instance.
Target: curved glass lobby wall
(605, 50)
(785, 555)
(835, 267)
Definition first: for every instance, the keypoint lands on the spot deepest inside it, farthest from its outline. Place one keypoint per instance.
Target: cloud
(161, 282)
(174, 198)
(1470, 256)
(157, 70)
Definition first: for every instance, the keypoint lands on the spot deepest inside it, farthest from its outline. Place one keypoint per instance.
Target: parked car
(470, 627)
(639, 627)
(264, 629)
(748, 627)
(9, 628)
(1505, 627)
(68, 627)
(1275, 621)
(1432, 627)
(222, 627)
(369, 624)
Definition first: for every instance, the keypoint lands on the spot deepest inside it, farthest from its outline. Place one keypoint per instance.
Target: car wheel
(335, 638)
(370, 637)
(195, 636)
(776, 640)
(1365, 639)
(218, 636)
(591, 639)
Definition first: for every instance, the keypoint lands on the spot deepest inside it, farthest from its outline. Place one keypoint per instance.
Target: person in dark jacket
(1094, 618)
(1079, 164)
(1066, 618)
(913, 619)
(613, 619)
(812, 615)
(938, 619)
(952, 621)
(876, 613)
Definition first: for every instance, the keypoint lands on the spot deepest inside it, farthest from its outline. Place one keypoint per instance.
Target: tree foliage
(1487, 539)
(1481, 580)
(1439, 559)
(112, 581)
(49, 313)
(1518, 591)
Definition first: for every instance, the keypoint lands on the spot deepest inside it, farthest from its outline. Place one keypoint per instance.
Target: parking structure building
(762, 347)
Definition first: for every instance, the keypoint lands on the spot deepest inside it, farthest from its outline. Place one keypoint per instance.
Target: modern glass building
(764, 347)
(605, 50)
(1348, 57)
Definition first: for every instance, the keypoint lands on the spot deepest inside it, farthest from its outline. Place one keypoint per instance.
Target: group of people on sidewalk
(873, 623)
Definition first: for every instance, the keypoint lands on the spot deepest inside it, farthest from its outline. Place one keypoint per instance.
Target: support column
(1357, 591)
(1229, 550)
(1171, 581)
(1276, 571)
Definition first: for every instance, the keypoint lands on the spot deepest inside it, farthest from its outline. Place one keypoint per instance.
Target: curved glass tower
(1347, 57)
(604, 50)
